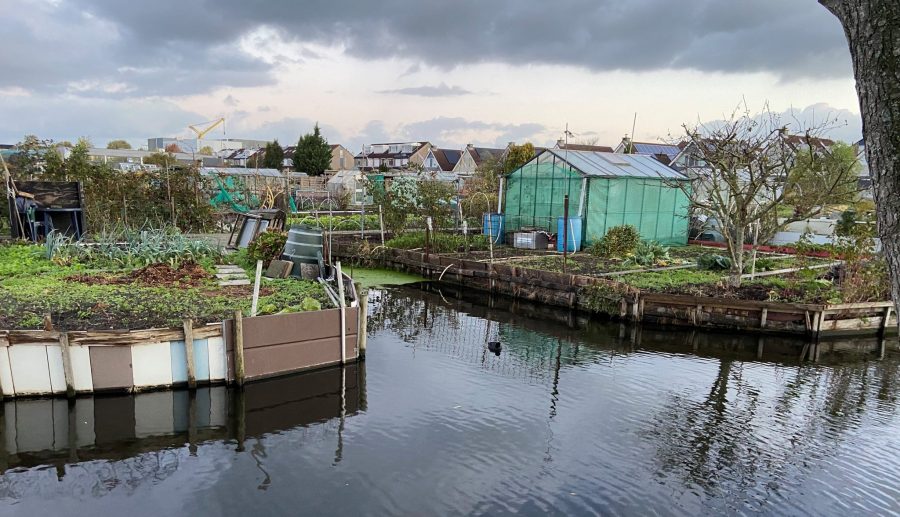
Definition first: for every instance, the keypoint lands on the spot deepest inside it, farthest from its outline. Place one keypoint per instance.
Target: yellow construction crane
(210, 125)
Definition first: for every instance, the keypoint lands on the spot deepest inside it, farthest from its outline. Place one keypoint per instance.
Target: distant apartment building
(396, 155)
(131, 159)
(192, 145)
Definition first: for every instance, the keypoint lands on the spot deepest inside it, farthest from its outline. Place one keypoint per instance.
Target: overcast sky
(452, 72)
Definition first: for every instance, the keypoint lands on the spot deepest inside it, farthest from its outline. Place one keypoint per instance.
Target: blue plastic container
(574, 236)
(493, 226)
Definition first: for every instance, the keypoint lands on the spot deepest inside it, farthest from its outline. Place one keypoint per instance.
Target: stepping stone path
(231, 275)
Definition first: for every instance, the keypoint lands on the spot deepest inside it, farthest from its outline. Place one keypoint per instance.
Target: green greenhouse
(604, 189)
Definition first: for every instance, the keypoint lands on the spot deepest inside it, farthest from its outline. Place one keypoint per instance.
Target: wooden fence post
(361, 336)
(189, 352)
(239, 348)
(67, 364)
(342, 305)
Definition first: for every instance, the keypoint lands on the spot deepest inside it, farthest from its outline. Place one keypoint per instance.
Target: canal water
(570, 417)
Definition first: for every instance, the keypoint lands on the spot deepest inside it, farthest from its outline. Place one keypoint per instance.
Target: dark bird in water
(495, 347)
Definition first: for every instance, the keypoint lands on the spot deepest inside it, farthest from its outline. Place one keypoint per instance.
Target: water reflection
(574, 416)
(145, 429)
(774, 411)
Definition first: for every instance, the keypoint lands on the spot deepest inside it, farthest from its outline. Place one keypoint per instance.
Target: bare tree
(872, 28)
(744, 170)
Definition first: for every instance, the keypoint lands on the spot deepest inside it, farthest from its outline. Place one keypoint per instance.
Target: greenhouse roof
(239, 171)
(613, 165)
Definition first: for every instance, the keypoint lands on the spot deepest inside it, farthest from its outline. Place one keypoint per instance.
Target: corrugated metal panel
(611, 165)
(239, 171)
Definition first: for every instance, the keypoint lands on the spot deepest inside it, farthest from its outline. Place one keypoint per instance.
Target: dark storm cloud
(101, 120)
(64, 47)
(170, 47)
(441, 90)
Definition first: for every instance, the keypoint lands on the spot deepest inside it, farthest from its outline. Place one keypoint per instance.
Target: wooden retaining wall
(281, 344)
(36, 363)
(41, 363)
(572, 291)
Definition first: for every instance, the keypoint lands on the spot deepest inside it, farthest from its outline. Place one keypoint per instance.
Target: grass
(657, 280)
(440, 242)
(336, 222)
(32, 286)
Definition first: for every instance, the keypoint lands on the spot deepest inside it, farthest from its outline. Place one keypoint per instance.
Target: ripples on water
(571, 418)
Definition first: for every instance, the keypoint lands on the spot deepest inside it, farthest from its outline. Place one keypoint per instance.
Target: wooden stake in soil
(259, 264)
(381, 223)
(189, 352)
(239, 348)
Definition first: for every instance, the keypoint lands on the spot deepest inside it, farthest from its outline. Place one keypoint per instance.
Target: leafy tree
(78, 166)
(398, 201)
(872, 28)
(173, 148)
(480, 191)
(517, 156)
(160, 159)
(274, 155)
(752, 168)
(313, 154)
(118, 144)
(207, 150)
(435, 199)
(835, 170)
(28, 161)
(382, 167)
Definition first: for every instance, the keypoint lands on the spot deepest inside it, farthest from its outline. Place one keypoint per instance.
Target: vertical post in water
(259, 264)
(363, 319)
(189, 352)
(67, 364)
(565, 231)
(239, 348)
(343, 307)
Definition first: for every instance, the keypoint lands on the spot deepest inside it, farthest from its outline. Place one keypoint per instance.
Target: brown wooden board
(284, 343)
(111, 368)
(52, 194)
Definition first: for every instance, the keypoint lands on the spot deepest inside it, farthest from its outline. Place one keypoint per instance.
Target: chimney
(470, 146)
(560, 143)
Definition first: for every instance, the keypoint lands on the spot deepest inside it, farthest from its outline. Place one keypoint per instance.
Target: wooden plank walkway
(229, 275)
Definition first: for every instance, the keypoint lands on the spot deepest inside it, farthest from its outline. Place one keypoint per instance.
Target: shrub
(650, 253)
(440, 242)
(267, 247)
(713, 262)
(619, 241)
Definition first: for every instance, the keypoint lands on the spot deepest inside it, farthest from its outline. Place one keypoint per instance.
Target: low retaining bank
(620, 301)
(40, 363)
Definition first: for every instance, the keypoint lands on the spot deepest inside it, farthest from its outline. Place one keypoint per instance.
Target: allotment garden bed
(148, 281)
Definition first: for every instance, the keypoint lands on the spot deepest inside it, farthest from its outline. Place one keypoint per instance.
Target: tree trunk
(872, 28)
(737, 255)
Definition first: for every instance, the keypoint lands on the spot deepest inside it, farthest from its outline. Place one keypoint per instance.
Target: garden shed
(605, 190)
